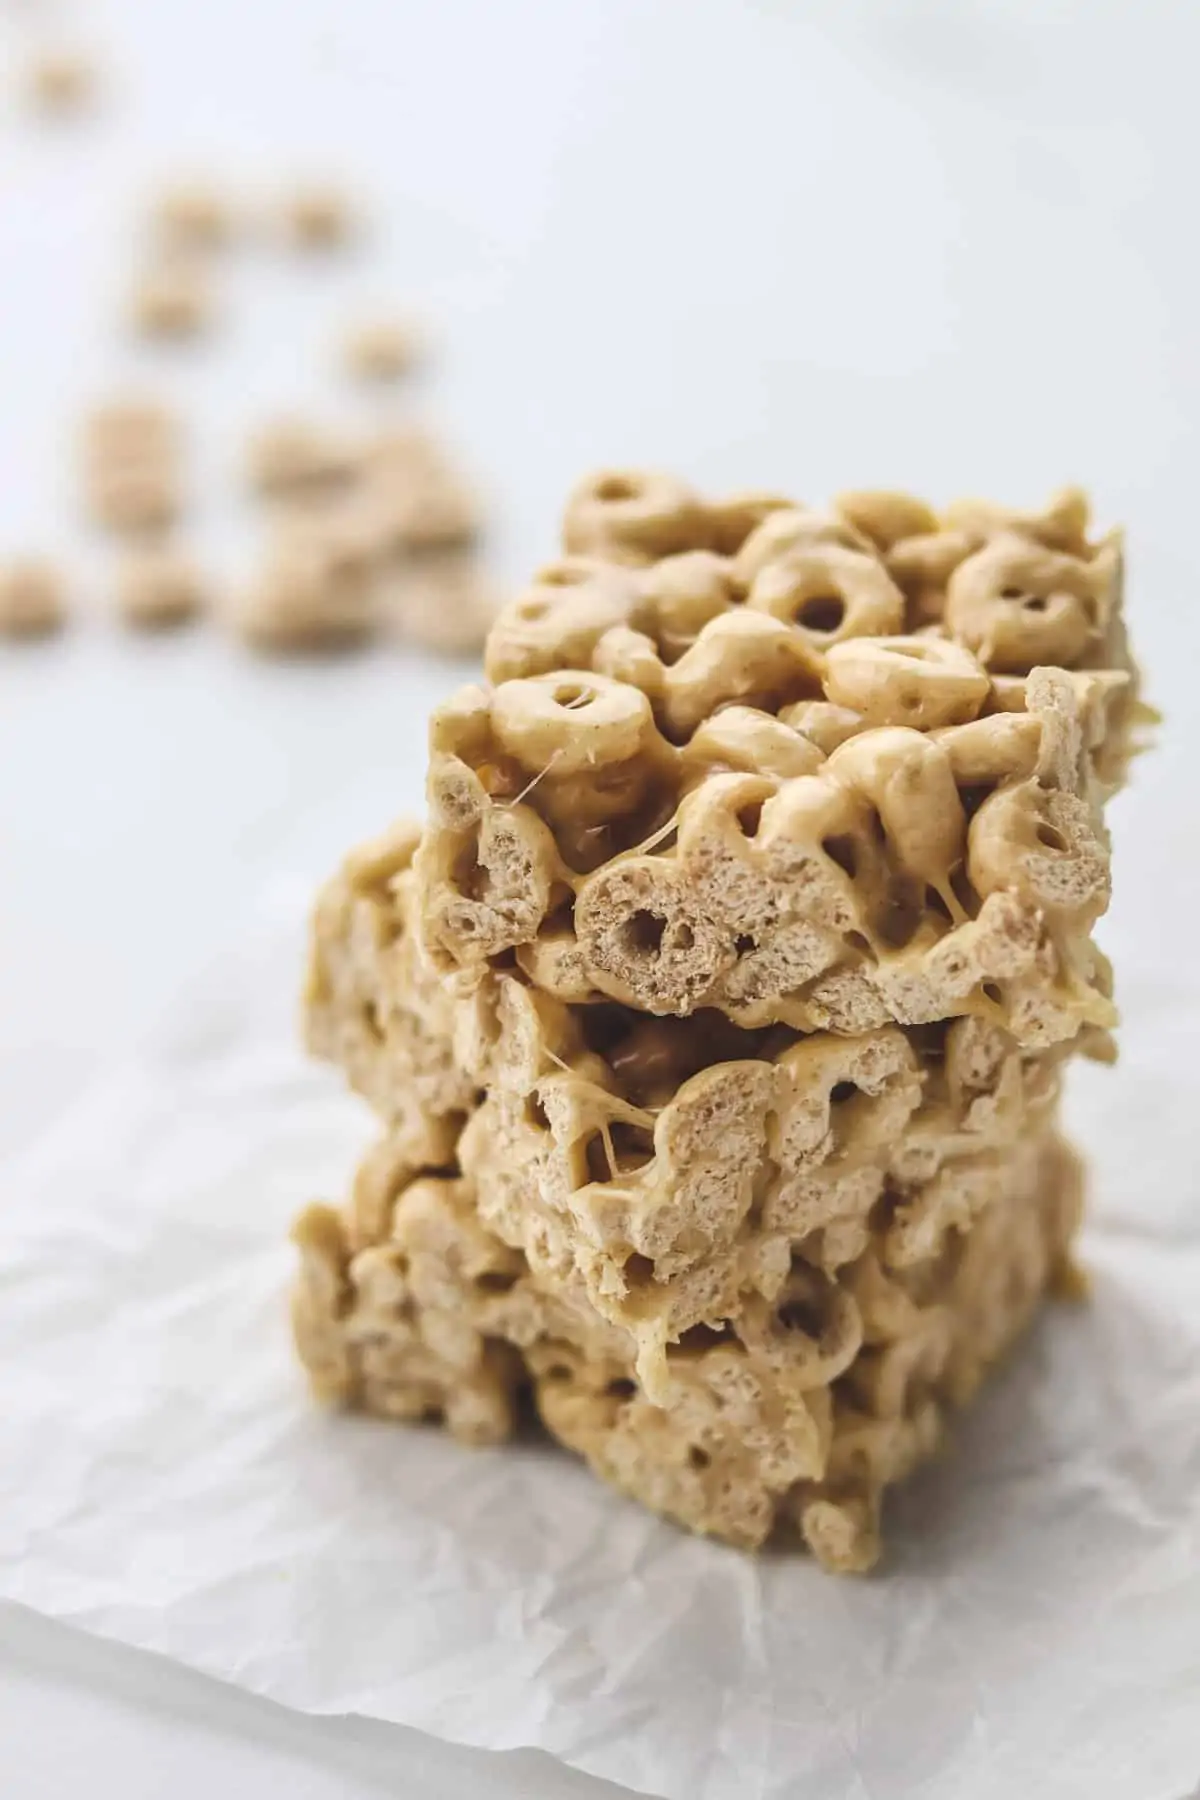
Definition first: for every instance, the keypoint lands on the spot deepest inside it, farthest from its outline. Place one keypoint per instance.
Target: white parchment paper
(165, 1482)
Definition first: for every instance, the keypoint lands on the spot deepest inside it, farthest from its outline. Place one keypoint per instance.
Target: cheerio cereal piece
(134, 427)
(382, 350)
(442, 602)
(315, 592)
(32, 599)
(130, 466)
(134, 497)
(171, 299)
(319, 216)
(59, 82)
(158, 588)
(292, 456)
(428, 508)
(192, 215)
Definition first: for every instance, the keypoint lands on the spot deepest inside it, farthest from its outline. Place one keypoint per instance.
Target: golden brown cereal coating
(802, 1413)
(717, 1016)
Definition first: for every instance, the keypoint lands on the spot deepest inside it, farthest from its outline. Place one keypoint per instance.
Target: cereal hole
(842, 850)
(616, 487)
(638, 1270)
(698, 1338)
(535, 1112)
(750, 817)
(801, 1313)
(599, 1163)
(532, 611)
(620, 1388)
(991, 991)
(557, 1372)
(698, 1457)
(642, 933)
(821, 612)
(633, 1146)
(1051, 837)
(560, 575)
(841, 1091)
(683, 938)
(496, 1281)
(571, 695)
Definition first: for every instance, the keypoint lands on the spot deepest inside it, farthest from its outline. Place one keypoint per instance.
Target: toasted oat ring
(633, 516)
(572, 720)
(644, 939)
(828, 593)
(920, 681)
(558, 621)
(786, 530)
(1040, 843)
(1016, 604)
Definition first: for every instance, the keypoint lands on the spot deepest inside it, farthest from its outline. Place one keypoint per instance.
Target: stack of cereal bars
(716, 1018)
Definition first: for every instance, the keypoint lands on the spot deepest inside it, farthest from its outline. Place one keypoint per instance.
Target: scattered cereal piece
(131, 460)
(193, 216)
(318, 218)
(171, 300)
(442, 602)
(315, 593)
(141, 427)
(157, 588)
(427, 507)
(59, 82)
(32, 600)
(381, 352)
(134, 497)
(288, 456)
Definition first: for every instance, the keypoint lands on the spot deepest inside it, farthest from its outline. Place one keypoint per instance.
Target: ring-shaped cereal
(633, 516)
(790, 529)
(644, 939)
(740, 657)
(570, 721)
(679, 595)
(827, 593)
(1040, 844)
(885, 516)
(920, 681)
(1016, 605)
(558, 620)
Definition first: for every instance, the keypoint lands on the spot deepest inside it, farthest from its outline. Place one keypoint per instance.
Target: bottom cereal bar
(796, 1415)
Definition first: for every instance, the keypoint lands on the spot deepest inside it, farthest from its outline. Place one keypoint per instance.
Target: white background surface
(943, 243)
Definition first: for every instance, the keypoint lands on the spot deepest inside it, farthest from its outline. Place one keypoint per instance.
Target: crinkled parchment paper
(164, 1480)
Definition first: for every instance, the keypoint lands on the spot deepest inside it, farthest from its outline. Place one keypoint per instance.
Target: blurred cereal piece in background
(443, 602)
(171, 300)
(424, 502)
(32, 598)
(381, 351)
(193, 215)
(131, 458)
(319, 216)
(158, 588)
(315, 592)
(291, 457)
(60, 83)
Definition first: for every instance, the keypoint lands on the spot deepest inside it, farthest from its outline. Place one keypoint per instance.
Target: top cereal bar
(833, 769)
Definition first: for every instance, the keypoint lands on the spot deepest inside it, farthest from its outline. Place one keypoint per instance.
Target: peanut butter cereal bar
(716, 1018)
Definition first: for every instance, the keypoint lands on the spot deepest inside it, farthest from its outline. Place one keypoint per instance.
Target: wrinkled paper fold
(165, 1482)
